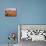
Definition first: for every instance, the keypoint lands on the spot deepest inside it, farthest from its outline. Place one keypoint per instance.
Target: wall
(28, 12)
(33, 12)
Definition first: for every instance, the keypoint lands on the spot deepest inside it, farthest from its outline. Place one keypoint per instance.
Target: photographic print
(10, 12)
(33, 32)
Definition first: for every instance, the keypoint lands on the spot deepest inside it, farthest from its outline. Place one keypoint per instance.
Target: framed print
(32, 32)
(10, 12)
